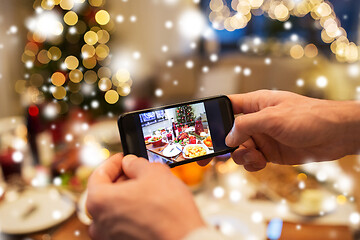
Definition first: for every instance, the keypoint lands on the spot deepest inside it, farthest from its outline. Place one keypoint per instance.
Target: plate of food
(194, 150)
(208, 142)
(34, 210)
(154, 139)
(183, 139)
(172, 150)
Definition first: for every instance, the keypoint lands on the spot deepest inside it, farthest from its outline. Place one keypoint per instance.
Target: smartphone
(179, 133)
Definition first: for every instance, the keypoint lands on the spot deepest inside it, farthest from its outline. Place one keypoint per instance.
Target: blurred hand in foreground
(129, 198)
(287, 128)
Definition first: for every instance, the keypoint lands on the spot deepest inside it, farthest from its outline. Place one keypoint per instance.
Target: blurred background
(68, 68)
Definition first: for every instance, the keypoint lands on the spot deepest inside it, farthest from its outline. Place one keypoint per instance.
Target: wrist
(349, 116)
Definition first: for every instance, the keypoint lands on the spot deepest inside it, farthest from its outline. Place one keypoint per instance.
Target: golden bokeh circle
(33, 47)
(103, 36)
(90, 37)
(88, 51)
(43, 57)
(123, 91)
(59, 92)
(102, 17)
(67, 4)
(76, 76)
(311, 51)
(58, 79)
(47, 4)
(122, 75)
(297, 51)
(90, 77)
(71, 18)
(104, 84)
(111, 97)
(89, 63)
(102, 51)
(71, 62)
(54, 53)
(28, 56)
(96, 3)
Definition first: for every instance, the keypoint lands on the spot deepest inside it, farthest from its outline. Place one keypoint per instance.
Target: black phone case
(124, 143)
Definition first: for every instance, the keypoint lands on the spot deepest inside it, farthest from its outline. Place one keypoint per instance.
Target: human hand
(129, 198)
(287, 128)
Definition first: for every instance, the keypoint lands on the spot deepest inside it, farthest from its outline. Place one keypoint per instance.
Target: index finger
(108, 171)
(255, 101)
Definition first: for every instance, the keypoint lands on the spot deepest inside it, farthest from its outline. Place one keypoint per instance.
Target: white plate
(44, 208)
(314, 202)
(193, 145)
(81, 212)
(172, 150)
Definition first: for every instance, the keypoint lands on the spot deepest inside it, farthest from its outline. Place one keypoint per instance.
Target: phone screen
(180, 133)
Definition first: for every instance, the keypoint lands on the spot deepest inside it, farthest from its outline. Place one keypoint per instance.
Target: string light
(240, 13)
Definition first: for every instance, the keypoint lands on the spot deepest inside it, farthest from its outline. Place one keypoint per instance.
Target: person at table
(148, 202)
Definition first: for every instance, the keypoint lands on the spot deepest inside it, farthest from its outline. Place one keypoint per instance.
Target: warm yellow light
(71, 62)
(58, 79)
(89, 63)
(76, 76)
(90, 77)
(59, 92)
(54, 53)
(88, 51)
(311, 51)
(111, 96)
(102, 51)
(102, 17)
(281, 12)
(96, 3)
(70, 18)
(122, 75)
(67, 4)
(43, 57)
(123, 90)
(296, 52)
(341, 199)
(91, 38)
(104, 84)
(103, 36)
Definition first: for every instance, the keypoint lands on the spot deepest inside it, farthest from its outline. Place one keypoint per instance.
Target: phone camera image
(176, 134)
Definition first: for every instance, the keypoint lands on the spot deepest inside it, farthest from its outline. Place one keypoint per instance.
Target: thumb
(135, 167)
(246, 126)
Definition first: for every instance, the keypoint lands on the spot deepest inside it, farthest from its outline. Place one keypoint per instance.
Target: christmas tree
(67, 58)
(185, 115)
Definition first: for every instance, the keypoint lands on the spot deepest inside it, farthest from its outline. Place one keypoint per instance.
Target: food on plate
(183, 139)
(155, 139)
(147, 139)
(203, 134)
(208, 142)
(194, 151)
(192, 140)
(182, 136)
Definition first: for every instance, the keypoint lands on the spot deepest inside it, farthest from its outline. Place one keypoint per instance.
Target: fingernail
(247, 158)
(230, 138)
(125, 161)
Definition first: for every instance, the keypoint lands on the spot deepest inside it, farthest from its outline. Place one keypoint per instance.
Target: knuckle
(94, 201)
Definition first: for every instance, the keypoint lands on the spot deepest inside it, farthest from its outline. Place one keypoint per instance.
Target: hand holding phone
(178, 133)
